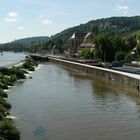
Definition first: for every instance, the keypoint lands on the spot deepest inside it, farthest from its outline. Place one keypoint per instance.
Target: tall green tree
(103, 48)
(138, 50)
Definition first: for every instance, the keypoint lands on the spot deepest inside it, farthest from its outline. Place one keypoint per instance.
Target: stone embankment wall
(128, 79)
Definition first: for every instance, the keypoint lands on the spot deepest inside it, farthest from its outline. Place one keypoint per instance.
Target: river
(10, 58)
(57, 104)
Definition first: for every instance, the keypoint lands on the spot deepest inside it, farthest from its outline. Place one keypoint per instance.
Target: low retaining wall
(128, 79)
(38, 57)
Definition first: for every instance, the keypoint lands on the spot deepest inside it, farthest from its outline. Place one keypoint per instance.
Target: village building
(87, 43)
(75, 40)
(79, 41)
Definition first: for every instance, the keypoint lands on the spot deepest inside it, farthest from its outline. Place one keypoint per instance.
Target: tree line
(107, 47)
(113, 48)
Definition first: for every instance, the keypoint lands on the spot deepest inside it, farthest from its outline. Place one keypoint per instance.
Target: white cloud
(11, 20)
(123, 8)
(12, 17)
(20, 28)
(47, 22)
(12, 14)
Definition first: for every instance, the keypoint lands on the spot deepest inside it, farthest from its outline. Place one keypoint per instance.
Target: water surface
(9, 58)
(57, 104)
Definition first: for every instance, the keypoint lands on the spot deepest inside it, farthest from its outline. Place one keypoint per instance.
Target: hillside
(123, 26)
(22, 44)
(28, 40)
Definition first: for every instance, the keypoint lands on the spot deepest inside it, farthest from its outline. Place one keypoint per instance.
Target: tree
(103, 48)
(85, 54)
(118, 44)
(119, 56)
(138, 49)
(59, 45)
(131, 43)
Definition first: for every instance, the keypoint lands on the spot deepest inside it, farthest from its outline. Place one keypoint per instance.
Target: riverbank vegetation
(29, 65)
(8, 76)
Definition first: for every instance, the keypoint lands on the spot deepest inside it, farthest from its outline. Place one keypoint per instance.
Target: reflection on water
(62, 105)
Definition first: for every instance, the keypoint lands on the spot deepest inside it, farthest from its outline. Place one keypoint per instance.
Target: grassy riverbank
(8, 76)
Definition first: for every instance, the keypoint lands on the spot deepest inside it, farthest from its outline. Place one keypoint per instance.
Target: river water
(57, 104)
(9, 58)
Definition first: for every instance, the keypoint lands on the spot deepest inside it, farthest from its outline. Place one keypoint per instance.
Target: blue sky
(26, 18)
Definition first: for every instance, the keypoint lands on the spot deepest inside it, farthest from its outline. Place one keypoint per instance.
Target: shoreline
(10, 75)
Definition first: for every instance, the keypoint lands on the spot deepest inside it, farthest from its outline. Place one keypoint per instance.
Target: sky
(28, 18)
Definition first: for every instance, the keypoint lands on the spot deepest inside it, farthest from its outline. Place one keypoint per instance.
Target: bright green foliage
(86, 54)
(8, 131)
(4, 103)
(13, 71)
(13, 78)
(104, 48)
(18, 72)
(6, 80)
(29, 64)
(110, 48)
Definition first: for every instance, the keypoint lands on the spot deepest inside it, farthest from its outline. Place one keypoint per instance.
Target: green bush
(3, 94)
(3, 86)
(29, 64)
(8, 130)
(18, 72)
(2, 112)
(5, 104)
(6, 81)
(13, 78)
(13, 71)
(26, 65)
(4, 71)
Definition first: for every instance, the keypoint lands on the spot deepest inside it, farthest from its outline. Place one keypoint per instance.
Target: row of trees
(47, 46)
(109, 48)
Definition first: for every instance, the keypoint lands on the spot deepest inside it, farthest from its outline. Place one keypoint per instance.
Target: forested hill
(32, 39)
(23, 44)
(124, 26)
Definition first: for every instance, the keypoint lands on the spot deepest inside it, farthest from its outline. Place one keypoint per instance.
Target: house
(79, 41)
(87, 43)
